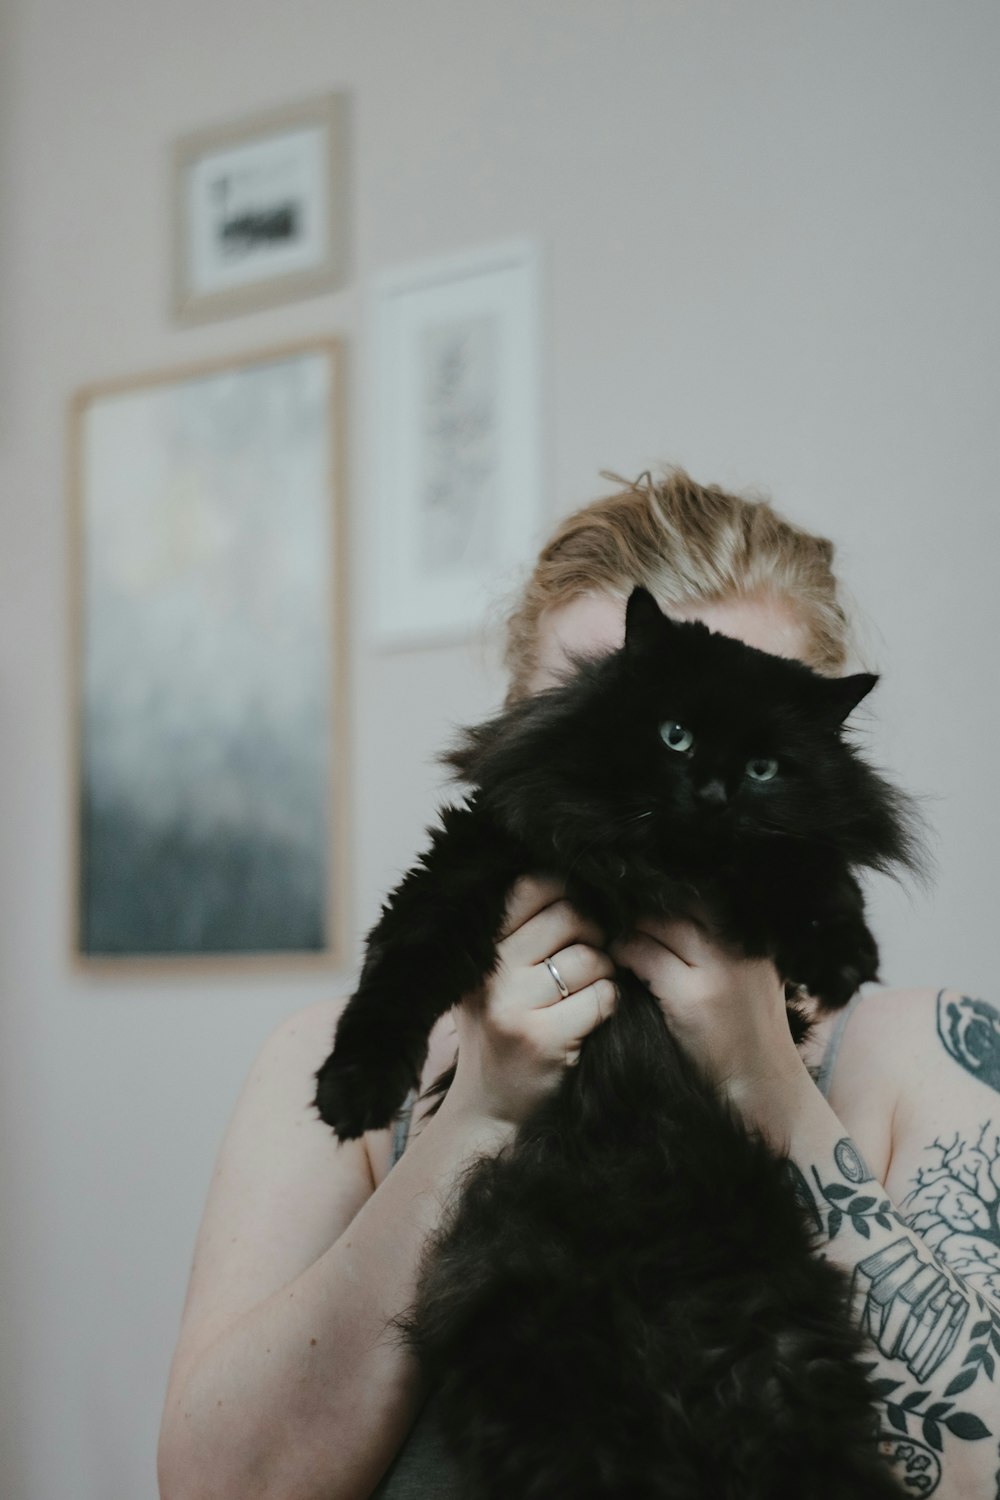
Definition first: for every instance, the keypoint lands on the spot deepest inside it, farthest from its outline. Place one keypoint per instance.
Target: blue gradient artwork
(208, 703)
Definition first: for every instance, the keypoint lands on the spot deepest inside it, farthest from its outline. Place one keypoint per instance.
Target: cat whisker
(601, 838)
(790, 834)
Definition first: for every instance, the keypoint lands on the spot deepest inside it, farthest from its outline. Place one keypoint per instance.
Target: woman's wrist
(483, 1132)
(775, 1100)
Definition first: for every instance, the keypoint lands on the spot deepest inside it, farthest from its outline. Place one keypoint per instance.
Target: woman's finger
(529, 895)
(572, 969)
(652, 961)
(688, 940)
(565, 1025)
(556, 926)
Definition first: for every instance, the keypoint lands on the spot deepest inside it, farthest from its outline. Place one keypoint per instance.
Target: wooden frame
(456, 439)
(188, 710)
(282, 233)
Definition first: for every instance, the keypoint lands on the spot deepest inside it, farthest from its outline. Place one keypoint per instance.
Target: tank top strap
(824, 1074)
(401, 1128)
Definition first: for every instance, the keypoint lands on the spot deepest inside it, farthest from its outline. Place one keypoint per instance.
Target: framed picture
(209, 656)
(260, 210)
(456, 440)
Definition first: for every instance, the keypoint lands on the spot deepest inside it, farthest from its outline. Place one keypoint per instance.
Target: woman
(285, 1382)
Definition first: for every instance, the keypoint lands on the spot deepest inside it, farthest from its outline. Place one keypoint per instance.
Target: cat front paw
(836, 989)
(839, 963)
(352, 1098)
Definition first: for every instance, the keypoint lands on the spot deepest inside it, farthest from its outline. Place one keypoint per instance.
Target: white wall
(772, 232)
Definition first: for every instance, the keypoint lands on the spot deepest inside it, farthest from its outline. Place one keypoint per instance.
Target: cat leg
(434, 943)
(830, 949)
(810, 919)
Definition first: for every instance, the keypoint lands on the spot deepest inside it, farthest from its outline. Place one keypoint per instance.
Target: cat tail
(434, 943)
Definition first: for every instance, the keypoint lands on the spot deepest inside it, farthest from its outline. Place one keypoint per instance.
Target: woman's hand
(519, 1033)
(726, 1010)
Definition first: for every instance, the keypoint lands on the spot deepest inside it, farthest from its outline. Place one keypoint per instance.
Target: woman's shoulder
(307, 1025)
(293, 1052)
(861, 1065)
(936, 1054)
(287, 1064)
(277, 1100)
(288, 1058)
(868, 1032)
(884, 1027)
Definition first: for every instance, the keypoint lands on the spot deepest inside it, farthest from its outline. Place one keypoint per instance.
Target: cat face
(745, 741)
(751, 738)
(682, 737)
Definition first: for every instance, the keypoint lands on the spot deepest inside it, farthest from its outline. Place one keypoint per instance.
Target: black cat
(625, 1302)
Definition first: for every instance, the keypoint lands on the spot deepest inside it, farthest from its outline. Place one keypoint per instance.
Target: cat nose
(713, 792)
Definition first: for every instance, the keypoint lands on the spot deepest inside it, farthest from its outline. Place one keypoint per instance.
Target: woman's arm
(304, 1393)
(288, 1381)
(934, 1337)
(934, 1331)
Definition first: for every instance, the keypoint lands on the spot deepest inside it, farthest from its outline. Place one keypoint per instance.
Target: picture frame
(456, 430)
(260, 210)
(209, 660)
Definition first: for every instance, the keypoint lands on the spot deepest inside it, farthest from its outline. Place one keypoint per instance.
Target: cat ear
(644, 621)
(840, 696)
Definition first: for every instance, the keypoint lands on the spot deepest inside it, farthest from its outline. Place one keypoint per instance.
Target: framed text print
(456, 440)
(260, 210)
(209, 647)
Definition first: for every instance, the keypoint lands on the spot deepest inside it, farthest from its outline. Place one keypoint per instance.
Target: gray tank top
(824, 1073)
(423, 1469)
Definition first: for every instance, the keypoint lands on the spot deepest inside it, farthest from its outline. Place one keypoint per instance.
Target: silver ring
(561, 983)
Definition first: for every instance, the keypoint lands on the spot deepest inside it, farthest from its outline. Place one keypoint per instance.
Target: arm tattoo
(956, 1206)
(908, 1307)
(914, 1311)
(957, 1213)
(846, 1201)
(917, 1306)
(851, 1163)
(920, 1465)
(800, 1187)
(970, 1031)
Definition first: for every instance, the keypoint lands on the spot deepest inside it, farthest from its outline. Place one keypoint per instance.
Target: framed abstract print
(209, 620)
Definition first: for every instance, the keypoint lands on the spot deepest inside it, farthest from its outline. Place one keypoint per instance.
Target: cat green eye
(762, 770)
(675, 736)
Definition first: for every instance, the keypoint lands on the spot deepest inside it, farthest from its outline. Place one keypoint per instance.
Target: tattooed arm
(922, 1248)
(916, 1091)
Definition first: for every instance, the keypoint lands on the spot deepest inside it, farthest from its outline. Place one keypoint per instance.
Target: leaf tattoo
(931, 1419)
(847, 1202)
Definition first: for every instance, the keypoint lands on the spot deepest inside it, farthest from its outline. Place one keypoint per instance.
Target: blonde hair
(685, 542)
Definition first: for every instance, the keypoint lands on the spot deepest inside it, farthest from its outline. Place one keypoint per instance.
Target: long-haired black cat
(626, 1302)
